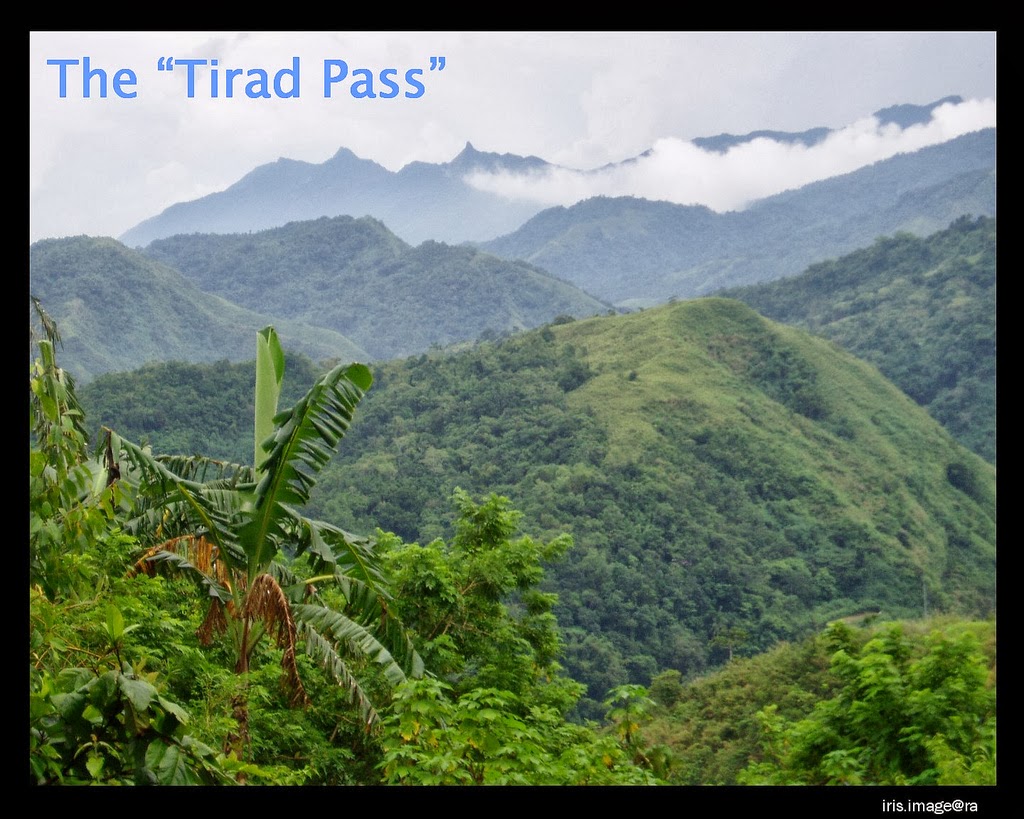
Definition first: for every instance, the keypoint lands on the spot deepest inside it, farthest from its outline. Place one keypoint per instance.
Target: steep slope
(729, 482)
(356, 277)
(922, 310)
(117, 310)
(635, 252)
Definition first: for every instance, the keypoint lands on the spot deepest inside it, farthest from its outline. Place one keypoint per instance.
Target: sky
(135, 138)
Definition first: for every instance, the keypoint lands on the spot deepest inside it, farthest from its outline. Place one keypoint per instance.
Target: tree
(497, 713)
(228, 526)
(491, 737)
(95, 716)
(896, 719)
(71, 501)
(475, 605)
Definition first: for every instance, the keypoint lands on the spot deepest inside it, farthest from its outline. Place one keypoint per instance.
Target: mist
(676, 170)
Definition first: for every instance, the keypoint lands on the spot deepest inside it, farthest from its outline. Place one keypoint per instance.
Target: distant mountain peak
(907, 114)
(903, 115)
(470, 159)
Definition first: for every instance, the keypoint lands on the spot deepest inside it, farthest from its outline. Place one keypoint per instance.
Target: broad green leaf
(139, 692)
(173, 708)
(297, 452)
(269, 375)
(169, 764)
(94, 764)
(92, 714)
(115, 623)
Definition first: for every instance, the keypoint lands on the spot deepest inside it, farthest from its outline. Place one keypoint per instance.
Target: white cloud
(580, 99)
(678, 171)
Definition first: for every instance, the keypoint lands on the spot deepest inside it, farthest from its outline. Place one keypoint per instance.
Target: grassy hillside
(923, 310)
(118, 310)
(729, 482)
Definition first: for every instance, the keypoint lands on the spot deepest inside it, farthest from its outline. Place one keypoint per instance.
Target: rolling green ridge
(635, 252)
(356, 277)
(118, 310)
(729, 482)
(923, 310)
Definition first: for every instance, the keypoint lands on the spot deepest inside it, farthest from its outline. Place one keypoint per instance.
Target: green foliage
(712, 729)
(667, 688)
(498, 716)
(189, 409)
(896, 719)
(94, 715)
(491, 737)
(71, 505)
(706, 498)
(762, 719)
(480, 620)
(228, 531)
(627, 706)
(106, 722)
(127, 687)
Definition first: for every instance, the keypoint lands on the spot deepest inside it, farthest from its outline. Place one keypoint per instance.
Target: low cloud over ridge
(678, 171)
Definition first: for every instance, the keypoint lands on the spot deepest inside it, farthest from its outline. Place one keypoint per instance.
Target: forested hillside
(331, 273)
(923, 310)
(728, 482)
(118, 310)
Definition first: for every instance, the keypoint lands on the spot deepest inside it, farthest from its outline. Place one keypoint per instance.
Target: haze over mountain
(635, 252)
(478, 195)
(421, 201)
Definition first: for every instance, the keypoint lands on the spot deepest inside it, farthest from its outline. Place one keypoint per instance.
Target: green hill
(923, 310)
(729, 482)
(356, 277)
(118, 310)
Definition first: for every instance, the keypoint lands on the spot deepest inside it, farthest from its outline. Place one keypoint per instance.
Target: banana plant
(227, 526)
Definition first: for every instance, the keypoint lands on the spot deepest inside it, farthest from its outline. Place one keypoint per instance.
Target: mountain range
(338, 288)
(730, 481)
(422, 201)
(356, 277)
(923, 310)
(419, 202)
(118, 310)
(635, 252)
(380, 297)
